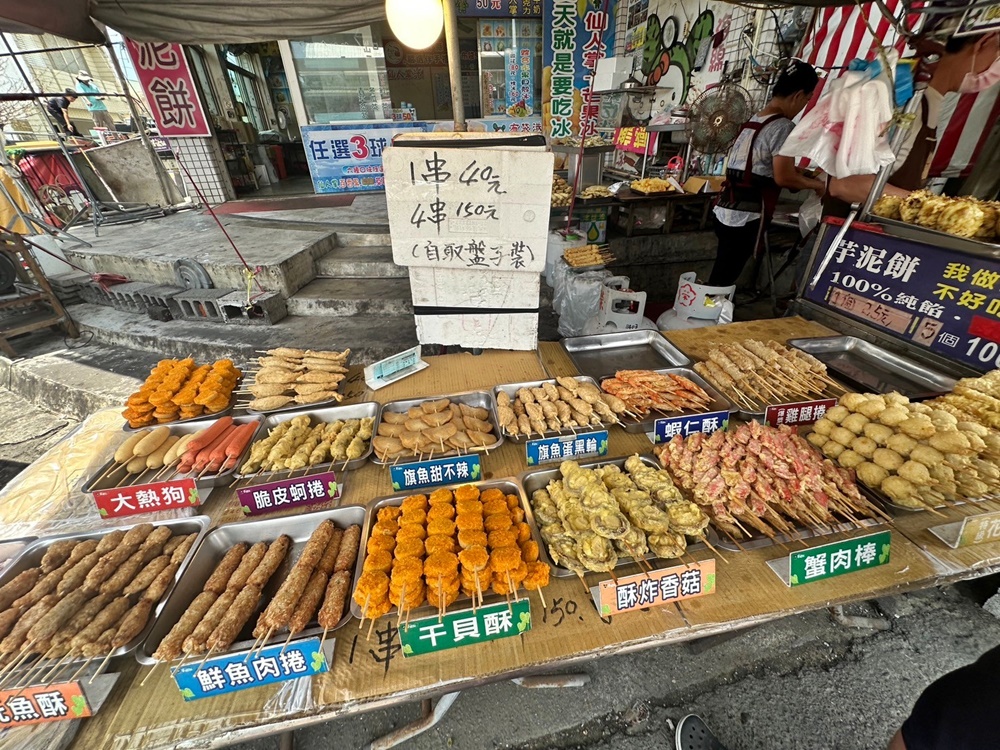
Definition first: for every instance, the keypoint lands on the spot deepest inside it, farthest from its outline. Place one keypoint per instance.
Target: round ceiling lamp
(416, 23)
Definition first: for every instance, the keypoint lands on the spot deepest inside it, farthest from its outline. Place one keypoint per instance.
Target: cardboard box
(706, 184)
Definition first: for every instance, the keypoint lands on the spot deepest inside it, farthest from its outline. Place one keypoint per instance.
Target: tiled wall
(202, 159)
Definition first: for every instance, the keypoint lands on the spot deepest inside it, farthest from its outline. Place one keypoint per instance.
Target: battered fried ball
(842, 435)
(850, 459)
(872, 407)
(832, 449)
(901, 443)
(838, 413)
(824, 426)
(855, 423)
(850, 402)
(864, 446)
(887, 459)
(878, 432)
(818, 440)
(918, 428)
(871, 474)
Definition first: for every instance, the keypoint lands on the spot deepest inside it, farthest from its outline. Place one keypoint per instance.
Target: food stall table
(366, 675)
(630, 202)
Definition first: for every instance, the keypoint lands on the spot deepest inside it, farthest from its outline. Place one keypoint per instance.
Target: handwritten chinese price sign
(804, 412)
(233, 672)
(44, 703)
(554, 449)
(937, 298)
(656, 588)
(289, 493)
(834, 559)
(978, 529)
(464, 628)
(439, 471)
(348, 159)
(665, 429)
(147, 498)
(169, 87)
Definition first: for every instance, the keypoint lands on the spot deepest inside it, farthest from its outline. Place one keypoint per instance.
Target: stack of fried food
(553, 406)
(589, 518)
(976, 400)
(297, 376)
(318, 582)
(178, 389)
(645, 391)
(562, 193)
(770, 480)
(651, 185)
(963, 216)
(85, 599)
(431, 549)
(918, 455)
(587, 255)
(436, 427)
(304, 442)
(757, 374)
(595, 191)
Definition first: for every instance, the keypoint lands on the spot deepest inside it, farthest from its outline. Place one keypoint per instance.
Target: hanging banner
(499, 8)
(936, 298)
(636, 141)
(578, 35)
(348, 158)
(520, 90)
(169, 88)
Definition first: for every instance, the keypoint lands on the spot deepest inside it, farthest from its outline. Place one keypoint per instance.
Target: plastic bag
(810, 212)
(576, 297)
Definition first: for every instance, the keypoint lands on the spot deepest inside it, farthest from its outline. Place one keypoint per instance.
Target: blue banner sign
(936, 298)
(439, 471)
(555, 449)
(232, 672)
(348, 158)
(665, 429)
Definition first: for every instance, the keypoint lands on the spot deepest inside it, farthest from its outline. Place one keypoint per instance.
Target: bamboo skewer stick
(100, 668)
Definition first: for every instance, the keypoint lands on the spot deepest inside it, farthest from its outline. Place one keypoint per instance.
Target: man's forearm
(855, 189)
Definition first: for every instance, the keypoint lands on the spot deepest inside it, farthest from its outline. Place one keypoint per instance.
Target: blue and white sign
(555, 449)
(232, 672)
(665, 429)
(348, 158)
(439, 471)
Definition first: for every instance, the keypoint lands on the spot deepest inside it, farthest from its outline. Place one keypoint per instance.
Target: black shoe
(693, 734)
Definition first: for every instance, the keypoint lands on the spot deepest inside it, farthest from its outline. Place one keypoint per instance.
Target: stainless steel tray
(507, 486)
(719, 403)
(31, 556)
(938, 238)
(330, 414)
(243, 402)
(530, 481)
(511, 389)
(758, 540)
(482, 399)
(872, 368)
(114, 479)
(603, 354)
(215, 545)
(11, 548)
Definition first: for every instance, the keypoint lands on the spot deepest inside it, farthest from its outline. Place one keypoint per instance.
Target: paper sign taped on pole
(475, 209)
(472, 330)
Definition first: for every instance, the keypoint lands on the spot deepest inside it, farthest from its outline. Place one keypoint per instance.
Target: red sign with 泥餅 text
(169, 87)
(147, 498)
(635, 140)
(42, 703)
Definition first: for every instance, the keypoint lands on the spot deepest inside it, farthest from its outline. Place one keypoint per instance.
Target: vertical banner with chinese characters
(437, 472)
(578, 36)
(464, 628)
(803, 412)
(559, 448)
(169, 87)
(348, 158)
(834, 559)
(288, 493)
(520, 90)
(936, 298)
(148, 498)
(665, 429)
(471, 224)
(240, 671)
(42, 703)
(655, 588)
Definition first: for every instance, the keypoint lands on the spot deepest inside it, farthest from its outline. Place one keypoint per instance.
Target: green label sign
(838, 558)
(464, 628)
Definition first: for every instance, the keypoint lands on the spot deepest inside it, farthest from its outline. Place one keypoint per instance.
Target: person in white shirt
(755, 174)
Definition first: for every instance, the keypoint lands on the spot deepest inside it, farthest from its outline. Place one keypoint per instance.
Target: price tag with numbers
(398, 366)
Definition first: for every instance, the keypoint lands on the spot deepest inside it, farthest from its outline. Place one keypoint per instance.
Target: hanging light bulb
(416, 23)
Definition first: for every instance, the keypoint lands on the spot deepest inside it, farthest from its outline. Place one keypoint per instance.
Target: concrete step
(360, 262)
(364, 236)
(352, 297)
(370, 338)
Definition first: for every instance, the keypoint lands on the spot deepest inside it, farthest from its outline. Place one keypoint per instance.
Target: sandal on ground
(693, 734)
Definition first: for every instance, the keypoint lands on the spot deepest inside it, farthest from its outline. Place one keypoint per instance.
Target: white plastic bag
(576, 297)
(810, 212)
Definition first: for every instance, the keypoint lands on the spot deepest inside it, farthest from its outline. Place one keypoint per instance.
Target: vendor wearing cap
(968, 64)
(95, 104)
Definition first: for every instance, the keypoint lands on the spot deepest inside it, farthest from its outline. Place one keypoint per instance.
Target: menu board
(940, 299)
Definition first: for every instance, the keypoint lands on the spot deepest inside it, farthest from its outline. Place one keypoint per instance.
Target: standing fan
(716, 117)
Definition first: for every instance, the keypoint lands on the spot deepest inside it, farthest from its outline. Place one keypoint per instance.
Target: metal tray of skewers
(31, 557)
(538, 479)
(11, 548)
(106, 479)
(553, 397)
(213, 548)
(245, 397)
(875, 369)
(602, 355)
(365, 410)
(508, 486)
(476, 399)
(645, 423)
